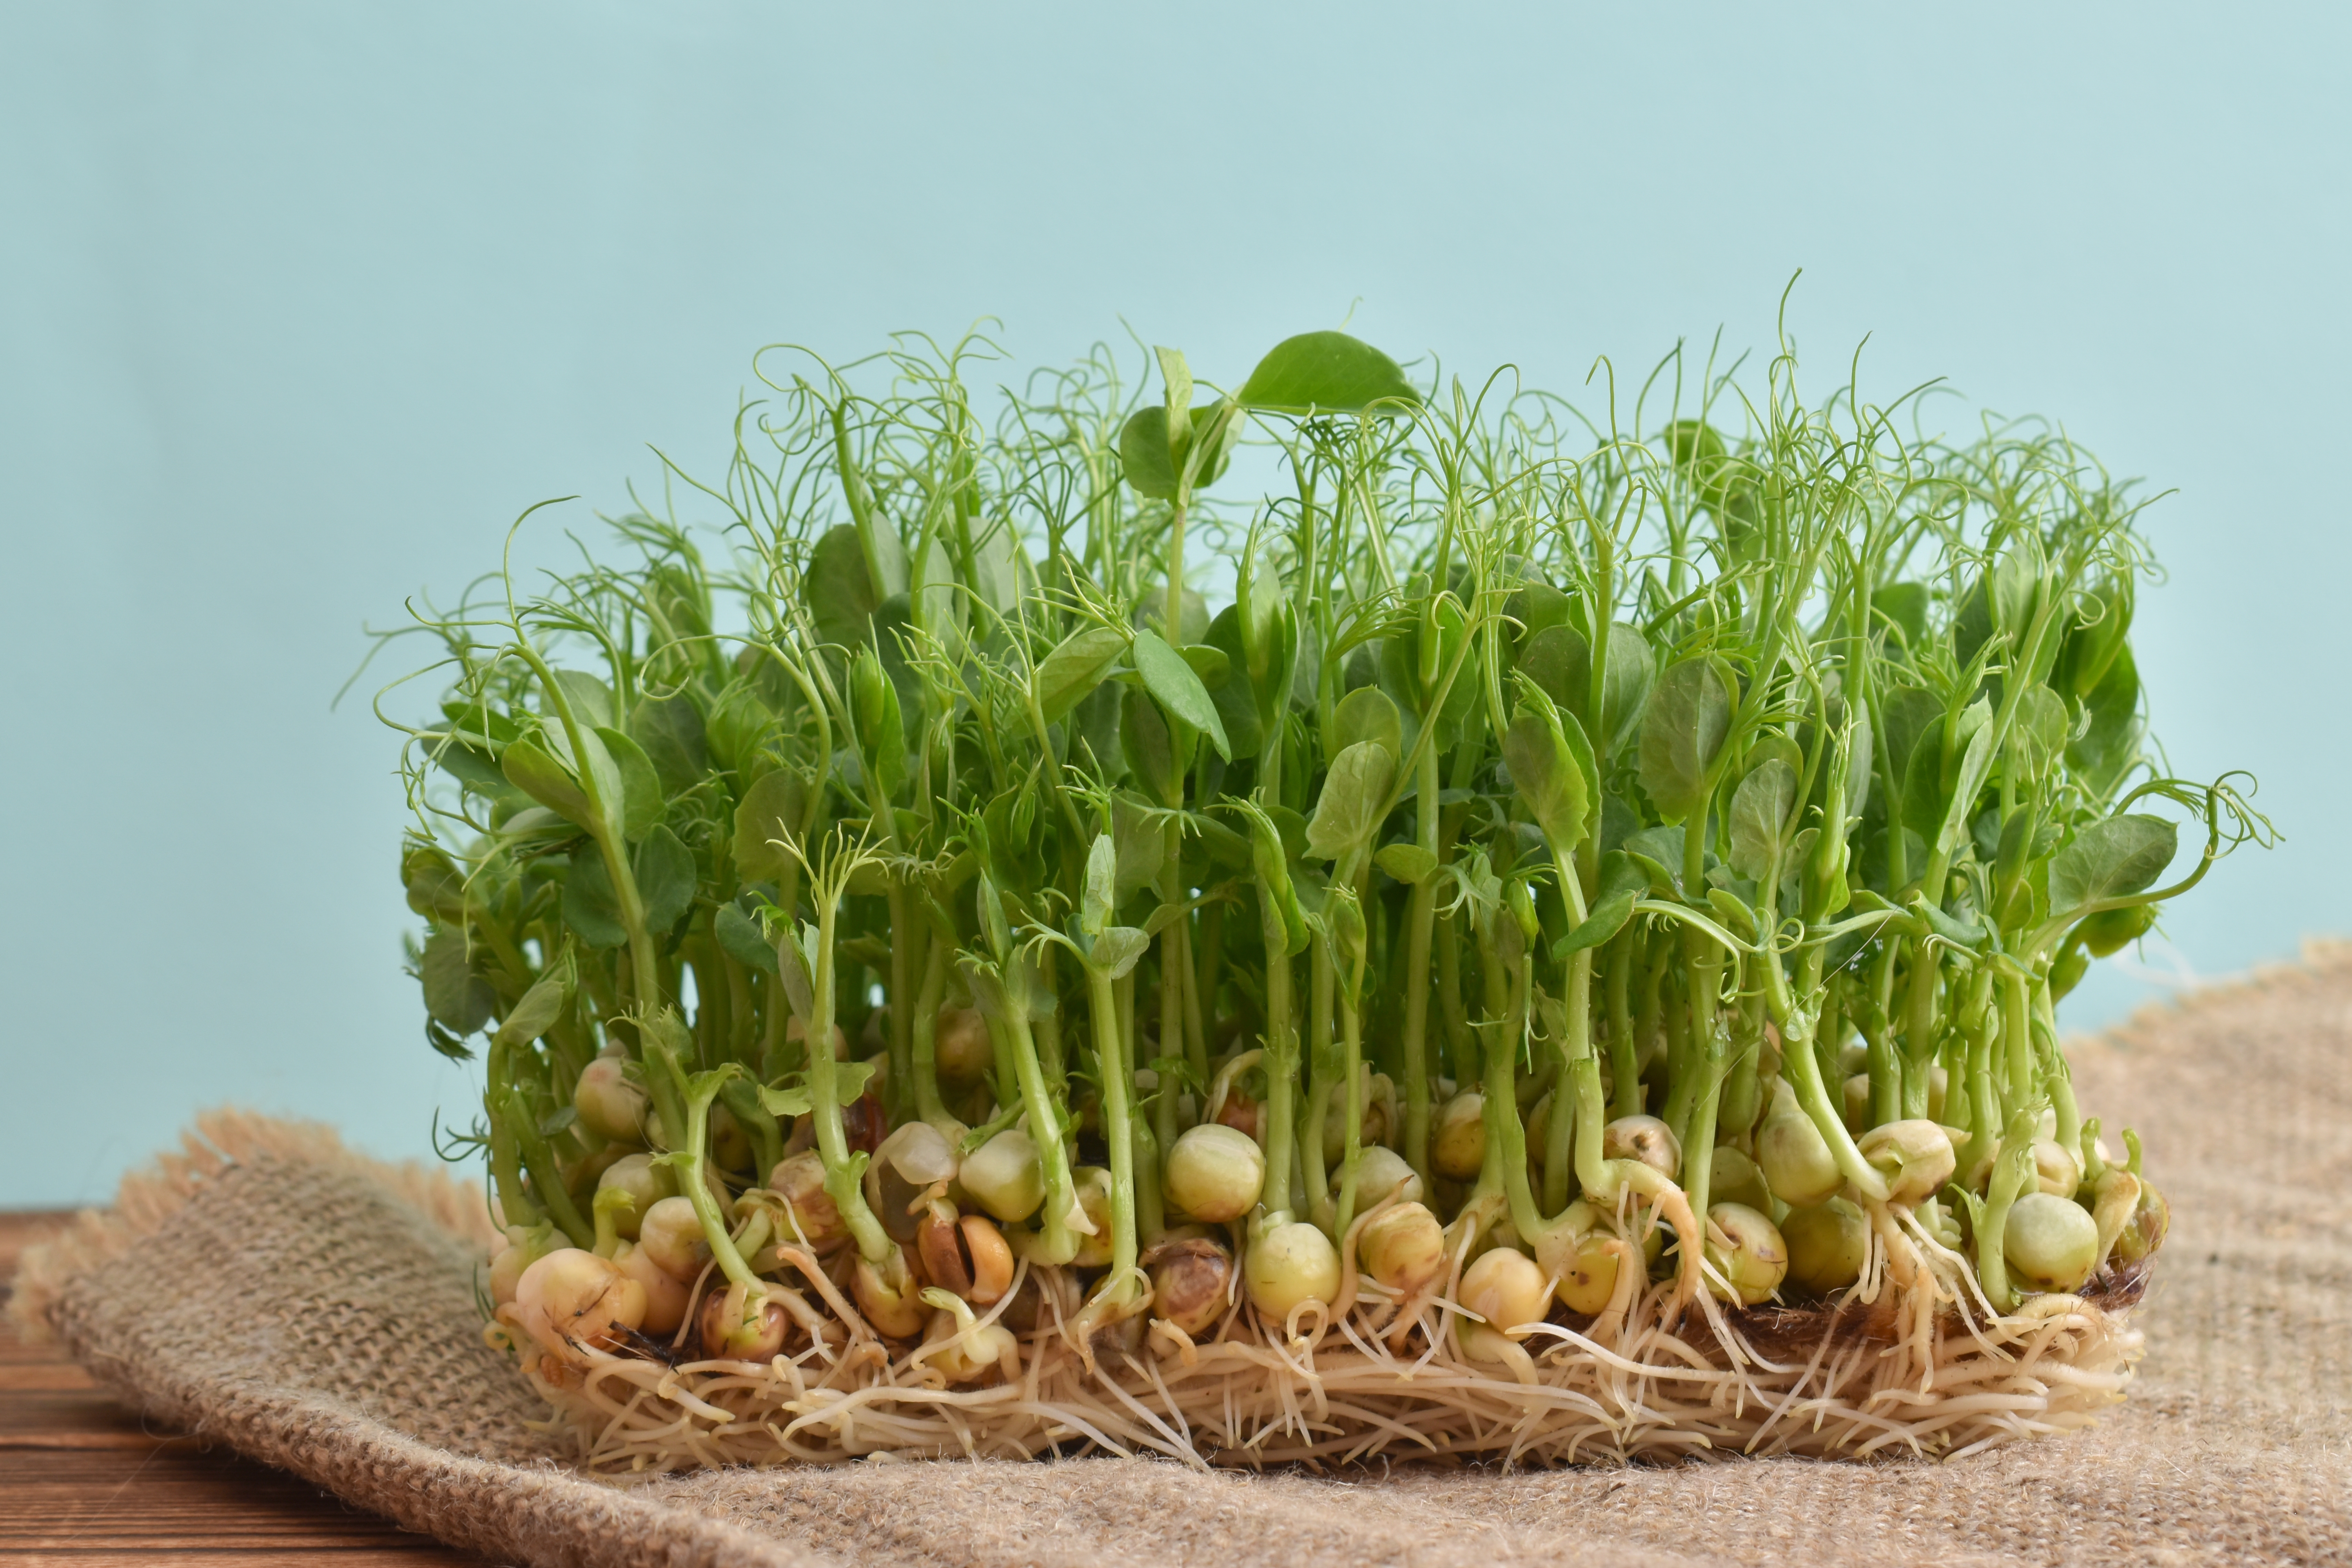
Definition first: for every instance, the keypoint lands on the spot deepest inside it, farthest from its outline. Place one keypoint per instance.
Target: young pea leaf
(772, 808)
(455, 996)
(881, 731)
(591, 908)
(665, 877)
(1976, 762)
(1224, 847)
(1075, 669)
(537, 1010)
(1910, 715)
(541, 777)
(1210, 663)
(1141, 844)
(1116, 949)
(669, 731)
(2112, 859)
(1367, 713)
(1607, 918)
(1547, 776)
(792, 949)
(2042, 727)
(1536, 605)
(1156, 754)
(1760, 816)
(1736, 916)
(590, 700)
(1408, 863)
(740, 935)
(840, 590)
(436, 890)
(1100, 898)
(2110, 741)
(467, 765)
(1682, 735)
(1168, 678)
(1151, 469)
(849, 1080)
(1235, 696)
(1355, 794)
(1557, 660)
(448, 1044)
(1905, 604)
(1657, 854)
(786, 1103)
(1329, 373)
(740, 720)
(641, 791)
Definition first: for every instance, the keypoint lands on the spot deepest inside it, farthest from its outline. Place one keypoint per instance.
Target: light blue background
(300, 304)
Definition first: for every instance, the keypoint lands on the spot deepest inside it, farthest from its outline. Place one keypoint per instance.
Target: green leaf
(591, 699)
(1237, 700)
(1976, 762)
(591, 908)
(1607, 918)
(1367, 713)
(1210, 663)
(739, 722)
(1155, 755)
(1099, 900)
(2112, 859)
(1736, 916)
(1168, 678)
(1141, 845)
(1354, 799)
(455, 996)
(839, 588)
(1116, 949)
(1075, 669)
(1408, 863)
(537, 1010)
(881, 730)
(468, 765)
(1546, 774)
(641, 791)
(1683, 734)
(670, 732)
(740, 936)
(1905, 604)
(666, 879)
(2110, 742)
(1151, 469)
(786, 1103)
(771, 809)
(1760, 817)
(1327, 372)
(543, 779)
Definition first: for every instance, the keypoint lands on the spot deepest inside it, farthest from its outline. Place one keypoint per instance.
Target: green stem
(1117, 1120)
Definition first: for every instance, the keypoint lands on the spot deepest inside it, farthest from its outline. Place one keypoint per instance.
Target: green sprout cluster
(1673, 834)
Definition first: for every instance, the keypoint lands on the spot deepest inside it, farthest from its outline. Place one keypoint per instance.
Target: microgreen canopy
(1751, 771)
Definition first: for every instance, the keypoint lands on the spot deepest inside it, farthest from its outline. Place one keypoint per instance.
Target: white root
(1922, 1369)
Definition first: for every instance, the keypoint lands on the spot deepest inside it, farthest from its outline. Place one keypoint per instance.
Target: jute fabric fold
(270, 1290)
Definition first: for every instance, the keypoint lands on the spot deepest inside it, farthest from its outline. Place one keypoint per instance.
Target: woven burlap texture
(315, 1310)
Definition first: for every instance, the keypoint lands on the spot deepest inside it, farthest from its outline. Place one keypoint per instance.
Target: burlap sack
(314, 1310)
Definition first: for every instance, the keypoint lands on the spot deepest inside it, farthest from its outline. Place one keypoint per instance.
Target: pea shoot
(1483, 947)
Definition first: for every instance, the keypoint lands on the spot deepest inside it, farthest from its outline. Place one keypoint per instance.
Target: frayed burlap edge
(221, 1140)
(535, 1514)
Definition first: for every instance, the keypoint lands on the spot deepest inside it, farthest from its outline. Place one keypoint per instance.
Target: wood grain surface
(84, 1481)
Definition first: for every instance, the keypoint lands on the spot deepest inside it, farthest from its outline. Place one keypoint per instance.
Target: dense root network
(1919, 1369)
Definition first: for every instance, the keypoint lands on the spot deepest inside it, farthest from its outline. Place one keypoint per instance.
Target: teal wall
(300, 304)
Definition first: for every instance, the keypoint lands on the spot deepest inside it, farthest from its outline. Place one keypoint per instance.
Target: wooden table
(84, 1481)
